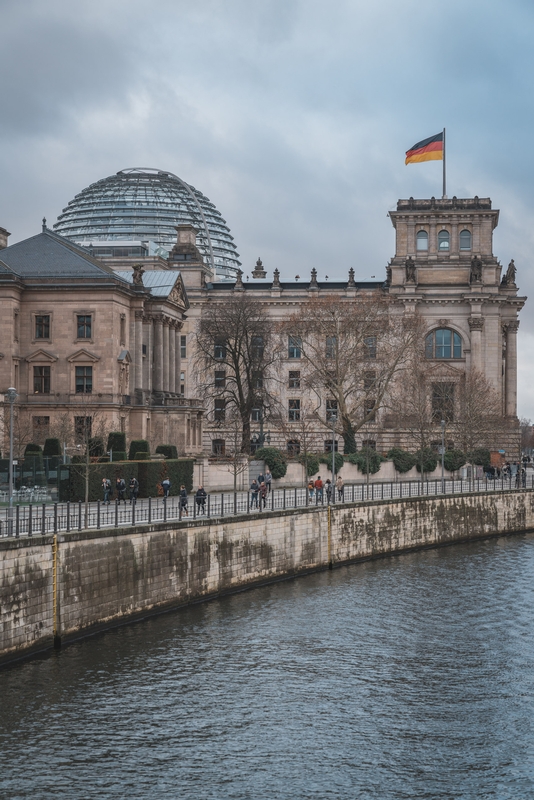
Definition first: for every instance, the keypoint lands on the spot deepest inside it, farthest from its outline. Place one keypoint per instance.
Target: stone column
(165, 377)
(177, 357)
(475, 244)
(138, 352)
(172, 362)
(511, 368)
(476, 325)
(158, 353)
(432, 239)
(148, 337)
(455, 244)
(410, 242)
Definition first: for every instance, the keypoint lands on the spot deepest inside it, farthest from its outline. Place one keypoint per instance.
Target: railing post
(248, 502)
(209, 510)
(17, 520)
(30, 508)
(222, 504)
(296, 496)
(79, 515)
(116, 513)
(68, 516)
(235, 502)
(150, 509)
(55, 517)
(43, 521)
(165, 509)
(133, 512)
(98, 514)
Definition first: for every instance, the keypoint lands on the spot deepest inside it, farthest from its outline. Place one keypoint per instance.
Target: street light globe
(11, 394)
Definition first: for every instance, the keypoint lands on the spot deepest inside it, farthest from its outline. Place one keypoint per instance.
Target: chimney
(3, 238)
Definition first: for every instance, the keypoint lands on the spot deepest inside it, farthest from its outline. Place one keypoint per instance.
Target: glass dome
(145, 205)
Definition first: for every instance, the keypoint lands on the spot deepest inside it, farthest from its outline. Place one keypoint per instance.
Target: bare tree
(478, 422)
(300, 432)
(232, 458)
(352, 350)
(235, 355)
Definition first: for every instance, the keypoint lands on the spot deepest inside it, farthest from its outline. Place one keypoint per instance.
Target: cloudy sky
(292, 116)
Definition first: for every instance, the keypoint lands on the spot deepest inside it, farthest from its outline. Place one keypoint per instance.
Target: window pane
(42, 326)
(294, 379)
(220, 380)
(443, 240)
(331, 410)
(257, 347)
(293, 447)
(41, 380)
(422, 240)
(443, 401)
(183, 346)
(369, 347)
(443, 343)
(84, 380)
(465, 240)
(294, 346)
(294, 410)
(330, 346)
(84, 326)
(457, 346)
(219, 349)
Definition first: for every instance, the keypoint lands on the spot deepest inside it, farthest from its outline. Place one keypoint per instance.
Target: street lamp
(334, 420)
(442, 456)
(260, 438)
(11, 396)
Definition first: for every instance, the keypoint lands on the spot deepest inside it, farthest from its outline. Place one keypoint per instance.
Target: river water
(408, 677)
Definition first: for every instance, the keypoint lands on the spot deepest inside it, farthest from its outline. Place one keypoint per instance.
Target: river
(407, 677)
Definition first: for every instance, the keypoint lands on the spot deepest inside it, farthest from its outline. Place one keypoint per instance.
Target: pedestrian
(107, 489)
(254, 488)
(200, 500)
(260, 479)
(340, 486)
(166, 486)
(121, 488)
(311, 490)
(318, 490)
(328, 488)
(263, 495)
(134, 489)
(183, 500)
(268, 479)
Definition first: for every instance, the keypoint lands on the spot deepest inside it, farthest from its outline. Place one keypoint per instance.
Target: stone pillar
(511, 368)
(432, 239)
(138, 352)
(148, 336)
(165, 355)
(476, 325)
(411, 238)
(172, 361)
(475, 244)
(177, 357)
(455, 244)
(158, 353)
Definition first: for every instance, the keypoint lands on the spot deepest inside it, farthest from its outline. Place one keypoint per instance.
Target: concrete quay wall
(57, 588)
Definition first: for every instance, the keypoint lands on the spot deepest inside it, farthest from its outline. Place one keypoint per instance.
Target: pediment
(178, 294)
(124, 357)
(41, 355)
(83, 355)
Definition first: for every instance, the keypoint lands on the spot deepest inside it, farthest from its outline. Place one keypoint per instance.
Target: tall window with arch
(465, 240)
(422, 240)
(443, 343)
(443, 241)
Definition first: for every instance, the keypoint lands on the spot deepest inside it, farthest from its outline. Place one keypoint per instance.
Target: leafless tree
(236, 351)
(352, 350)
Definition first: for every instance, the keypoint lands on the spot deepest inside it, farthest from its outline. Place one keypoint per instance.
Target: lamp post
(11, 396)
(442, 456)
(334, 420)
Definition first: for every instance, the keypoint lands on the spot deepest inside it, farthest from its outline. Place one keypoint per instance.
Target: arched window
(443, 343)
(422, 240)
(443, 240)
(465, 240)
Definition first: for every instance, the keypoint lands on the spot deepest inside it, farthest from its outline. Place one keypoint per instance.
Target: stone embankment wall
(59, 588)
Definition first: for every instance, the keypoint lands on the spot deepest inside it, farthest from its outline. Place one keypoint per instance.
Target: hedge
(167, 450)
(275, 460)
(326, 458)
(96, 446)
(141, 455)
(32, 448)
(313, 463)
(148, 473)
(138, 446)
(117, 441)
(428, 458)
(367, 460)
(480, 456)
(453, 460)
(118, 455)
(402, 460)
(52, 447)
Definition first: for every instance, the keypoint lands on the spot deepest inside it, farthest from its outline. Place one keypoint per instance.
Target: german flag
(430, 149)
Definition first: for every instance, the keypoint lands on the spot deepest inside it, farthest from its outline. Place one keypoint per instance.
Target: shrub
(426, 459)
(366, 459)
(480, 456)
(275, 460)
(32, 448)
(117, 442)
(402, 460)
(313, 463)
(96, 446)
(326, 458)
(117, 455)
(453, 460)
(151, 473)
(52, 447)
(138, 446)
(167, 450)
(148, 473)
(141, 455)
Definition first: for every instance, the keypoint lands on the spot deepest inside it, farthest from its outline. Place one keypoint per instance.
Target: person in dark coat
(183, 500)
(200, 500)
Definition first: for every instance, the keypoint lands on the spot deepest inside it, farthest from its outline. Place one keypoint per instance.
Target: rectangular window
(294, 347)
(294, 379)
(123, 330)
(41, 426)
(443, 401)
(16, 331)
(369, 409)
(328, 445)
(219, 349)
(83, 427)
(294, 410)
(219, 410)
(84, 380)
(331, 346)
(183, 346)
(182, 383)
(257, 380)
(218, 447)
(41, 380)
(256, 346)
(369, 380)
(255, 414)
(220, 379)
(84, 326)
(368, 444)
(293, 447)
(331, 410)
(42, 326)
(369, 347)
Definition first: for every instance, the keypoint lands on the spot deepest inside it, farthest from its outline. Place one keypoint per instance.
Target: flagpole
(444, 173)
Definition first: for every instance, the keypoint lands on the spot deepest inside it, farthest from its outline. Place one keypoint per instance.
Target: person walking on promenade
(183, 500)
(340, 486)
(106, 488)
(200, 500)
(166, 486)
(254, 488)
(268, 479)
(318, 490)
(263, 495)
(134, 489)
(260, 478)
(311, 490)
(121, 488)
(328, 488)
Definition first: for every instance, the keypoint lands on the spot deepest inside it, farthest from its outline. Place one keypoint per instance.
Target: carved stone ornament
(239, 280)
(276, 279)
(409, 265)
(476, 270)
(138, 273)
(259, 271)
(476, 323)
(351, 284)
(313, 281)
(443, 323)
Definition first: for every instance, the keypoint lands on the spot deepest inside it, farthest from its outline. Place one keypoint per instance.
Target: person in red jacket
(318, 490)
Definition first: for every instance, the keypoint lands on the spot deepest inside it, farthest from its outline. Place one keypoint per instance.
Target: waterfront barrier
(60, 586)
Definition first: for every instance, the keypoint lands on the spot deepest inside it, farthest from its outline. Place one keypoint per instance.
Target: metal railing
(33, 519)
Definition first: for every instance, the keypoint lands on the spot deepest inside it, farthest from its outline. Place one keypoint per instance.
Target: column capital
(476, 323)
(510, 326)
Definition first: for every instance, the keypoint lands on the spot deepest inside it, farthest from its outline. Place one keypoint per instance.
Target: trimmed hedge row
(148, 473)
